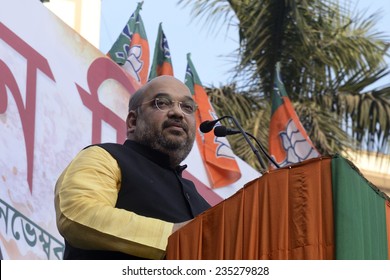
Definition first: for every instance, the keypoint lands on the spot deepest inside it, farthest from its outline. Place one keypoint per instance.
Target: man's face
(169, 130)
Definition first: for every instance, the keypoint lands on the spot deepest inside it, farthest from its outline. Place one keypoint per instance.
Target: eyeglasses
(164, 104)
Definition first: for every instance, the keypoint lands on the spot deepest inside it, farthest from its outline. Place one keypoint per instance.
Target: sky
(210, 45)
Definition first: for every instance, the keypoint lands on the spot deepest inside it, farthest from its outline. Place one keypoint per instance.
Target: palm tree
(328, 58)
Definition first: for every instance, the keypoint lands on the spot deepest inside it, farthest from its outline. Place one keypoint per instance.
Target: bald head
(159, 84)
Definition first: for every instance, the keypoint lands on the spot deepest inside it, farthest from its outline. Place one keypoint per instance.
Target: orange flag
(162, 61)
(131, 49)
(221, 166)
(288, 140)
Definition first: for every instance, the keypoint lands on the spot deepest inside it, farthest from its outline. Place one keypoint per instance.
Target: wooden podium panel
(285, 214)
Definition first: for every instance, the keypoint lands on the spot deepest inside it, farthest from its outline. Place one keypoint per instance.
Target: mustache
(175, 122)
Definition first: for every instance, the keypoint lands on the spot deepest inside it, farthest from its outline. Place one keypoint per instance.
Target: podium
(322, 208)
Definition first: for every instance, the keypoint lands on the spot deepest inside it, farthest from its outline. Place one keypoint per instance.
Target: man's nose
(176, 109)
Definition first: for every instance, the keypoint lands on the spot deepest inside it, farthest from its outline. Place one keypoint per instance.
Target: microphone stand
(255, 151)
(263, 150)
(223, 131)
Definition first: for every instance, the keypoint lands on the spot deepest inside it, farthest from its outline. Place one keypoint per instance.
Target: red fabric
(285, 214)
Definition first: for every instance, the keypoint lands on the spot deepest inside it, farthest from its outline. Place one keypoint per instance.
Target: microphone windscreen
(220, 131)
(207, 126)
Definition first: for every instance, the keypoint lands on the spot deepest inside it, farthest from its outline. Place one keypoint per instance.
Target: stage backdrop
(58, 94)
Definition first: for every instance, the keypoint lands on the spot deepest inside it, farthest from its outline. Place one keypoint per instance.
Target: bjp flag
(162, 62)
(131, 49)
(288, 140)
(220, 164)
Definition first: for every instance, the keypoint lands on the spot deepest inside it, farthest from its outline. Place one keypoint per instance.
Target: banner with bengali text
(58, 94)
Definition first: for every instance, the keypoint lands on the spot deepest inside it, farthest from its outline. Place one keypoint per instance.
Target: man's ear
(131, 121)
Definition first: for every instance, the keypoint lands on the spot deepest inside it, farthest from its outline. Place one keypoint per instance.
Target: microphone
(207, 126)
(223, 131)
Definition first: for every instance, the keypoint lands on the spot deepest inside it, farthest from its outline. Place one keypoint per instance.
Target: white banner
(58, 94)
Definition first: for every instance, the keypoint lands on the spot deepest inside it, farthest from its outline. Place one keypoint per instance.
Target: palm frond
(329, 58)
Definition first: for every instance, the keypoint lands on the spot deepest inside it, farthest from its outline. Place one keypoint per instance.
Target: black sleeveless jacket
(149, 188)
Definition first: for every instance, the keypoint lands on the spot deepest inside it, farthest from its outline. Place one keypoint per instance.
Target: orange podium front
(285, 214)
